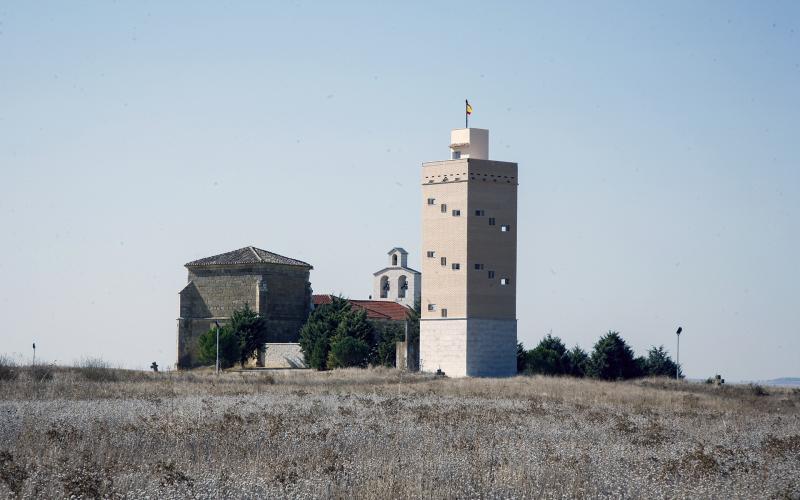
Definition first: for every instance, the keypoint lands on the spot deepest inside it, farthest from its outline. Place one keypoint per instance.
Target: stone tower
(397, 282)
(469, 260)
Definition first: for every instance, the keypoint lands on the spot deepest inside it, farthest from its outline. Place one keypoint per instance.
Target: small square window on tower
(444, 312)
(505, 228)
(456, 266)
(505, 281)
(456, 213)
(479, 213)
(456, 155)
(431, 253)
(491, 275)
(491, 221)
(431, 201)
(444, 208)
(479, 267)
(431, 307)
(443, 260)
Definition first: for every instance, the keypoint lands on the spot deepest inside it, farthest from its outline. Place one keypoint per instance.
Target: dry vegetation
(384, 434)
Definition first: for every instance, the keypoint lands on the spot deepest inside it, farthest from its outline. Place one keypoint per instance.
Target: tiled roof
(376, 309)
(247, 255)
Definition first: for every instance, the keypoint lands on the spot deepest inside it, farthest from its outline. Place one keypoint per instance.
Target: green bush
(348, 351)
(229, 352)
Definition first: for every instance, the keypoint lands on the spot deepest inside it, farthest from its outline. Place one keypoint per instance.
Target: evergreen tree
(316, 334)
(347, 351)
(250, 329)
(577, 362)
(547, 358)
(612, 359)
(522, 358)
(659, 364)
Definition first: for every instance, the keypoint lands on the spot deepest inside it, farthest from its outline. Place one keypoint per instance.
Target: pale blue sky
(657, 144)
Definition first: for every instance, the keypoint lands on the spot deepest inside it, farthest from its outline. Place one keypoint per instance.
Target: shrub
(228, 347)
(348, 351)
(41, 373)
(8, 368)
(97, 370)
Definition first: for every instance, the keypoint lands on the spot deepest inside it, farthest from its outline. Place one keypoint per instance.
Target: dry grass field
(386, 434)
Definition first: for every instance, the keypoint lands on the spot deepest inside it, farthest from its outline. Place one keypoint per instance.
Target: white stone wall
(469, 347)
(286, 355)
(491, 347)
(443, 345)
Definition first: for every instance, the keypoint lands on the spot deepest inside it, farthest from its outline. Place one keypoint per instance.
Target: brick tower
(469, 261)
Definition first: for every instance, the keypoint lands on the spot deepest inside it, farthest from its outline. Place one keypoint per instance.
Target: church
(279, 288)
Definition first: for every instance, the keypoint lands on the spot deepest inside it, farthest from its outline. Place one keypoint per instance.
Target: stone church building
(274, 286)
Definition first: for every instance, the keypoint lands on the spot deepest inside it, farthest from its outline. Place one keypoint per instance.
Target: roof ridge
(258, 257)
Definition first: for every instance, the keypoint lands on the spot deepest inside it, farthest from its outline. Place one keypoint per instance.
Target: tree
(659, 364)
(547, 358)
(229, 351)
(612, 359)
(316, 334)
(522, 358)
(250, 330)
(577, 362)
(329, 325)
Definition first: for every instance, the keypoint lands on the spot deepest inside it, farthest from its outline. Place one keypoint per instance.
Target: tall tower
(468, 325)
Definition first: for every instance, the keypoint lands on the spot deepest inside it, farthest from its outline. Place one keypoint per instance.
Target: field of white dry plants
(385, 434)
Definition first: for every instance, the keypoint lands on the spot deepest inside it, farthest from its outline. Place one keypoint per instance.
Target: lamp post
(217, 366)
(34, 354)
(678, 355)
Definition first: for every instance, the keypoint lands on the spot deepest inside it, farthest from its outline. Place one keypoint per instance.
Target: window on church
(431, 307)
(444, 313)
(384, 287)
(456, 155)
(480, 213)
(505, 228)
(505, 281)
(431, 201)
(431, 253)
(456, 213)
(456, 266)
(491, 221)
(478, 267)
(444, 208)
(443, 260)
(491, 275)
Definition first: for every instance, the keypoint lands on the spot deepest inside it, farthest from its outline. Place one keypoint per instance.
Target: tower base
(469, 347)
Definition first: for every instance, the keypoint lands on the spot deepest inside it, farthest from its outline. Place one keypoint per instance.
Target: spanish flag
(469, 108)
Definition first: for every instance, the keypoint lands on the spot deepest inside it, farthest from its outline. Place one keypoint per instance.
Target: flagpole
(466, 114)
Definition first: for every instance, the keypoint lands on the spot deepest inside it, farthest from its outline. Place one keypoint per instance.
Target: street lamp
(217, 323)
(678, 354)
(34, 354)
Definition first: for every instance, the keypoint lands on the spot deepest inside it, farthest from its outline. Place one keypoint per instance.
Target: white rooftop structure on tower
(469, 143)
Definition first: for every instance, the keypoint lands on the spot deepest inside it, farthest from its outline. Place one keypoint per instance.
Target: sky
(658, 146)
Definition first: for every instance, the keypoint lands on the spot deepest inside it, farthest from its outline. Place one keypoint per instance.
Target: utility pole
(678, 355)
(217, 369)
(34, 354)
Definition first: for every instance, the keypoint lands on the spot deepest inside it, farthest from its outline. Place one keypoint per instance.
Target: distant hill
(782, 382)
